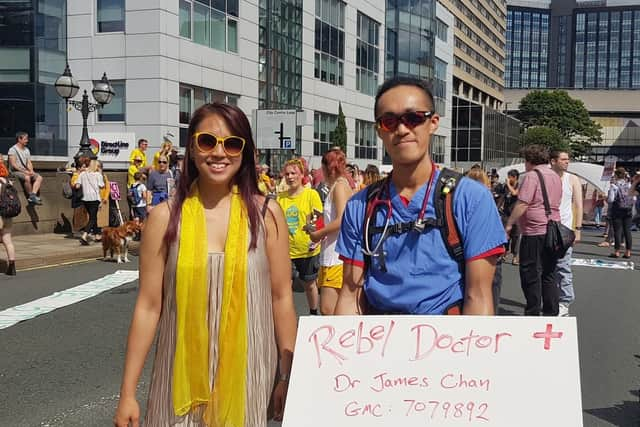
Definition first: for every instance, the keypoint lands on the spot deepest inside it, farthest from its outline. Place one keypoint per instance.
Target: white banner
(410, 371)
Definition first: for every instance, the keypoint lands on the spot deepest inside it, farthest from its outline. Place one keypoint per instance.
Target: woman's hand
(127, 413)
(279, 399)
(316, 236)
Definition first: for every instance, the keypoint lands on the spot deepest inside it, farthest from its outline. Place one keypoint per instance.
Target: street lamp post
(67, 87)
(505, 130)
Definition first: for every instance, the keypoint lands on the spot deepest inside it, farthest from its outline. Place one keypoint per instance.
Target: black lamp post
(67, 87)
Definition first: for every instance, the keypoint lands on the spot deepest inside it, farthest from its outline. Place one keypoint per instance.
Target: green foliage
(556, 109)
(547, 136)
(340, 134)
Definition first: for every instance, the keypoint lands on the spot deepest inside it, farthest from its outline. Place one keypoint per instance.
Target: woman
(300, 205)
(165, 151)
(621, 206)
(5, 226)
(90, 181)
(237, 280)
(330, 276)
(371, 175)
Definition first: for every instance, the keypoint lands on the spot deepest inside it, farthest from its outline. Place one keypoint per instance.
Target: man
(143, 144)
(412, 272)
(22, 168)
(571, 217)
(537, 266)
(510, 198)
(160, 182)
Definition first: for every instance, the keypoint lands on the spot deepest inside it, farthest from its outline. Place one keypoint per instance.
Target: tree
(556, 109)
(340, 134)
(547, 136)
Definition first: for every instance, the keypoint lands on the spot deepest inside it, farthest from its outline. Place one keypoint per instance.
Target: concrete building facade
(479, 50)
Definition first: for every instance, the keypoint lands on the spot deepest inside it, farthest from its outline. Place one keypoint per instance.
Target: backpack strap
(373, 191)
(444, 191)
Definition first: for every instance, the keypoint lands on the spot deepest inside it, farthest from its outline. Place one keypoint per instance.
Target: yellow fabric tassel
(225, 405)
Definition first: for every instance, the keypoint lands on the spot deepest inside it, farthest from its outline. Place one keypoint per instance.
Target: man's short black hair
(141, 141)
(403, 81)
(514, 173)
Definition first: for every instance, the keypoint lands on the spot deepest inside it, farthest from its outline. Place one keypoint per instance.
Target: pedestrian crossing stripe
(19, 313)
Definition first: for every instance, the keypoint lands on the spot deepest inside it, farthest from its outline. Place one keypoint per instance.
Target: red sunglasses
(389, 122)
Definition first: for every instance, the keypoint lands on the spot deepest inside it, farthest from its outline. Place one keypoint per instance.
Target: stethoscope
(419, 224)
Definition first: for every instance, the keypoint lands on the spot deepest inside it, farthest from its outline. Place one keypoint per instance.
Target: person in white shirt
(571, 217)
(21, 167)
(91, 181)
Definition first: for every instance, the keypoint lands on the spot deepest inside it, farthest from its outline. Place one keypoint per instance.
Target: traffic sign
(276, 129)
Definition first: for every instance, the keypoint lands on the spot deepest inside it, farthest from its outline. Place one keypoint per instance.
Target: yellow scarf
(225, 404)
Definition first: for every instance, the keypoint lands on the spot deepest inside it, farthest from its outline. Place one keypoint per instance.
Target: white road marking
(19, 313)
(602, 263)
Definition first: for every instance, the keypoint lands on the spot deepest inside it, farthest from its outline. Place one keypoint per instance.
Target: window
(110, 16)
(115, 110)
(210, 23)
(186, 104)
(185, 19)
(440, 87)
(329, 41)
(441, 30)
(324, 125)
(192, 97)
(15, 65)
(366, 142)
(367, 55)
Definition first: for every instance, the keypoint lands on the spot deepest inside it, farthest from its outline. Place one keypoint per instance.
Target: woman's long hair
(246, 178)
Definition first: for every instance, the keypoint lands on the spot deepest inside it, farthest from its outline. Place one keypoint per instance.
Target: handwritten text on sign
(434, 370)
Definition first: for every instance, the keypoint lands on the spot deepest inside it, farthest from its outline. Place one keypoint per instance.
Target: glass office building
(607, 49)
(33, 47)
(527, 48)
(410, 38)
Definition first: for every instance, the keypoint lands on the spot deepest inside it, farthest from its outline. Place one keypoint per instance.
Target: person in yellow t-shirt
(136, 166)
(298, 205)
(140, 152)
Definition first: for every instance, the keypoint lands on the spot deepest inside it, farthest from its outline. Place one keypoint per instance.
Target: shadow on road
(626, 414)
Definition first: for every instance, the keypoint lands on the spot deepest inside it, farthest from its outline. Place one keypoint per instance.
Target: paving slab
(40, 250)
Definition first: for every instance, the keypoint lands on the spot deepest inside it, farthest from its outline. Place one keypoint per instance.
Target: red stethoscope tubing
(387, 203)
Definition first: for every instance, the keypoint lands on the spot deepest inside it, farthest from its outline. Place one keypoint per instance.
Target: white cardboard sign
(357, 371)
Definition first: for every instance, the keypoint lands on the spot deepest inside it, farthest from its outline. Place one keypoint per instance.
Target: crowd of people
(224, 240)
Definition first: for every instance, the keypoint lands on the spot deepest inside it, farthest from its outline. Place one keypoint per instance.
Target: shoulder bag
(558, 238)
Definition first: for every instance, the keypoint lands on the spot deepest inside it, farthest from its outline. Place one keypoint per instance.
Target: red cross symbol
(547, 335)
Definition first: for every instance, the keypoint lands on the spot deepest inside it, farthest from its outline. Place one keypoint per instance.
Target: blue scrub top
(421, 276)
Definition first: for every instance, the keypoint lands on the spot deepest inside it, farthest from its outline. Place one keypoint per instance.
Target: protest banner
(357, 371)
(609, 167)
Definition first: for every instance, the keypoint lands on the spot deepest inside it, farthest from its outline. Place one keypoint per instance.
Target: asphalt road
(63, 368)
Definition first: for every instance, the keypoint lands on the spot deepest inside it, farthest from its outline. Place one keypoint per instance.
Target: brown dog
(116, 239)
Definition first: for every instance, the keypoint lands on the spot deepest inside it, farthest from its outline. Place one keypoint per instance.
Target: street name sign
(415, 371)
(276, 129)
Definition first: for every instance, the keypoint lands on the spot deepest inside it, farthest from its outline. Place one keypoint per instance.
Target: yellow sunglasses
(206, 142)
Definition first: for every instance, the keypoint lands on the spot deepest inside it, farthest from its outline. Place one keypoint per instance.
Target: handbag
(558, 238)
